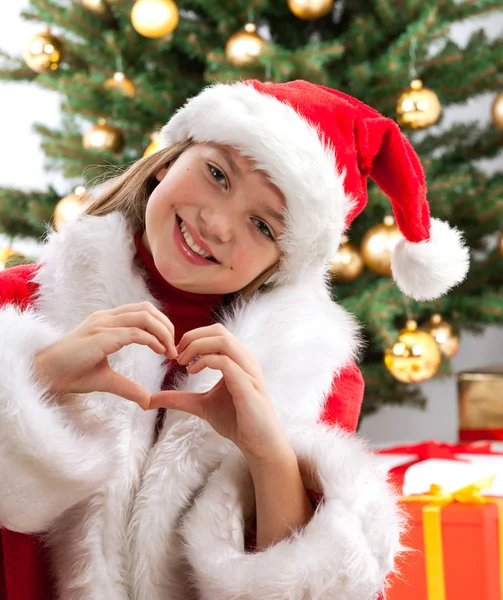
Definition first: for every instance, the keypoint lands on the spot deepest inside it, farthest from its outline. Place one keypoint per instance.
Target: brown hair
(129, 192)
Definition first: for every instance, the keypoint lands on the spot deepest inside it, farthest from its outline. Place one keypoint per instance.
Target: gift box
(480, 396)
(456, 549)
(455, 533)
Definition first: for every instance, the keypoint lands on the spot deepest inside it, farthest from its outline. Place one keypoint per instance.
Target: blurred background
(372, 50)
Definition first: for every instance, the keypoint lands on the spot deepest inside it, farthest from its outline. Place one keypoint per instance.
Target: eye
(218, 175)
(264, 229)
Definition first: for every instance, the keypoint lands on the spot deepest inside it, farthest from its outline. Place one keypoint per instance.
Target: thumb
(124, 387)
(189, 402)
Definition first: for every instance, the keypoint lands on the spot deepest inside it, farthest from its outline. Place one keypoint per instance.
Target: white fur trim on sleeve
(345, 551)
(46, 463)
(428, 269)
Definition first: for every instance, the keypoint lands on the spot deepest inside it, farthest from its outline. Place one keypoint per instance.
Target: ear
(161, 174)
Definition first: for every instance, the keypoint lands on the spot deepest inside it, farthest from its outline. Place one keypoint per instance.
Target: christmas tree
(133, 63)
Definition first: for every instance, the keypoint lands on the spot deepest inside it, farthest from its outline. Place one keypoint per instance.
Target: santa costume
(99, 503)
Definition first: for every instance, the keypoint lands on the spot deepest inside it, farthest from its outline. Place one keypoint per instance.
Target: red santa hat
(318, 146)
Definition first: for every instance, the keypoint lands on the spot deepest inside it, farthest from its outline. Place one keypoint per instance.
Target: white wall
(21, 165)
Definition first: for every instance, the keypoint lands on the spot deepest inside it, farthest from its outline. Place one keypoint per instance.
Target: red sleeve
(343, 404)
(17, 287)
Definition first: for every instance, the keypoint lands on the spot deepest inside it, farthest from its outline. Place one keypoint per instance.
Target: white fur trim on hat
(286, 147)
(428, 269)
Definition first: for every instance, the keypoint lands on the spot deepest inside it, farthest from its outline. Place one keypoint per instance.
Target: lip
(196, 238)
(189, 254)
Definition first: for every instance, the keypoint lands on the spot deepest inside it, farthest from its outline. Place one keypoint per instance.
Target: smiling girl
(178, 391)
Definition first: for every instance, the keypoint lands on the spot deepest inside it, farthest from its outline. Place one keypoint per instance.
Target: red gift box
(470, 538)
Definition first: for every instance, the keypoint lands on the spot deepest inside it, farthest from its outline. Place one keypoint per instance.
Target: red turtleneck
(186, 310)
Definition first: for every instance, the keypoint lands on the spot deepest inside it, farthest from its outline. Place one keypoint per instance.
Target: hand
(78, 362)
(238, 406)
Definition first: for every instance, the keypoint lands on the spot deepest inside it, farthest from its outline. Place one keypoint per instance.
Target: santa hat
(318, 146)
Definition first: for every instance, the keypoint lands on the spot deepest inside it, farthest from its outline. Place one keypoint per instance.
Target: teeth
(190, 242)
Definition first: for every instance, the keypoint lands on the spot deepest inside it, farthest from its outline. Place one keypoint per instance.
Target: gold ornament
(347, 264)
(378, 245)
(154, 18)
(103, 136)
(154, 145)
(443, 333)
(310, 9)
(418, 107)
(414, 357)
(500, 245)
(245, 46)
(121, 83)
(99, 7)
(69, 207)
(497, 111)
(6, 256)
(43, 52)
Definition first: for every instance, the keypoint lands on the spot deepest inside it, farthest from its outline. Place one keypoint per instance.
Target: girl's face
(211, 202)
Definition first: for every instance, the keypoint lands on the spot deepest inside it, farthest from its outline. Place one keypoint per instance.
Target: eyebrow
(230, 159)
(236, 170)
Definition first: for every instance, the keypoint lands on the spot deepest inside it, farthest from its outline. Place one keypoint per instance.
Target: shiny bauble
(347, 264)
(100, 7)
(418, 107)
(500, 245)
(443, 333)
(9, 258)
(122, 84)
(378, 245)
(310, 9)
(414, 357)
(104, 137)
(69, 208)
(154, 18)
(497, 111)
(245, 46)
(43, 52)
(154, 145)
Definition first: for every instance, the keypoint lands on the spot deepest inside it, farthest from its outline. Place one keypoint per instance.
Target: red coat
(24, 569)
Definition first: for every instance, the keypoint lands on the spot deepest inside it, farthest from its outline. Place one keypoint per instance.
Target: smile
(189, 248)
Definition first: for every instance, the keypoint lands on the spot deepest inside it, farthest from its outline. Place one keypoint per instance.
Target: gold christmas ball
(378, 245)
(7, 255)
(99, 7)
(69, 207)
(121, 83)
(347, 264)
(443, 333)
(104, 136)
(43, 52)
(497, 111)
(245, 46)
(154, 18)
(310, 9)
(500, 245)
(414, 357)
(153, 146)
(418, 107)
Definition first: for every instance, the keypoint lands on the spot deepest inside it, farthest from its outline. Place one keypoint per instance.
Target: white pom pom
(427, 270)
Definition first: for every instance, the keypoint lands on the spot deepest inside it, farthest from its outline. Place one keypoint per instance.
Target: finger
(146, 321)
(236, 379)
(227, 345)
(148, 306)
(184, 401)
(200, 332)
(116, 338)
(124, 387)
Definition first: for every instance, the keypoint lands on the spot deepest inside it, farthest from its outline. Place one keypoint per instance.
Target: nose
(216, 224)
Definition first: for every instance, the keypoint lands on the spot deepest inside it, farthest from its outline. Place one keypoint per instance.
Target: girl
(177, 388)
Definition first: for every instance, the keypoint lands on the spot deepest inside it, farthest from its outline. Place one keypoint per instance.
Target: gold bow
(438, 497)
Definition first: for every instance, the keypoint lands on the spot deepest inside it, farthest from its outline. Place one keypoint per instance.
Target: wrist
(272, 459)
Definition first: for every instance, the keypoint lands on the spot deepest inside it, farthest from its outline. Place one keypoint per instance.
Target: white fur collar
(300, 337)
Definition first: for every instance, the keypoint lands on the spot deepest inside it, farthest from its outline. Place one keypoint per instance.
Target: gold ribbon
(438, 497)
